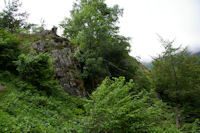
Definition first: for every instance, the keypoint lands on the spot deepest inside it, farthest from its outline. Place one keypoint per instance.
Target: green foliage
(88, 16)
(116, 107)
(7, 123)
(32, 100)
(191, 127)
(196, 126)
(38, 71)
(9, 50)
(28, 111)
(177, 79)
(143, 80)
(10, 18)
(23, 108)
(101, 51)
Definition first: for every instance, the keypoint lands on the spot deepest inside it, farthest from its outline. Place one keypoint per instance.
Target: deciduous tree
(101, 50)
(177, 79)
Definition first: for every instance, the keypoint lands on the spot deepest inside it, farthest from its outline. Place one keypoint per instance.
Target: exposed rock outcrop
(65, 65)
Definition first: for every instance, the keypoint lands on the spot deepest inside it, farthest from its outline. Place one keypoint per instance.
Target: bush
(115, 107)
(7, 123)
(196, 126)
(38, 71)
(9, 50)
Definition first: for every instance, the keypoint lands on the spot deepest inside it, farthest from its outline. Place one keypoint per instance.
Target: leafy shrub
(115, 107)
(37, 70)
(9, 50)
(7, 123)
(196, 126)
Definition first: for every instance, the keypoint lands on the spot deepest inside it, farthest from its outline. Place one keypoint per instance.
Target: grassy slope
(33, 111)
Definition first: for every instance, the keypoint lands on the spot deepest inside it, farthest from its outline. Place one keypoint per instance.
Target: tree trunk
(177, 117)
(176, 93)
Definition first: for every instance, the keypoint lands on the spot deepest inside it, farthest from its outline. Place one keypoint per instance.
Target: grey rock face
(65, 66)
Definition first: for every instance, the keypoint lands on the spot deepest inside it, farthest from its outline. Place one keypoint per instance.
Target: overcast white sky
(142, 20)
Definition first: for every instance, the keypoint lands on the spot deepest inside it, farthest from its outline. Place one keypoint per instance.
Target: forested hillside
(198, 54)
(85, 81)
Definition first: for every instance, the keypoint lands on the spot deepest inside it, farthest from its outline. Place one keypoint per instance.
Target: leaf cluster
(9, 50)
(38, 71)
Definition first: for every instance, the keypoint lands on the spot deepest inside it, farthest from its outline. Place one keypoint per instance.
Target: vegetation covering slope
(197, 54)
(177, 79)
(123, 97)
(112, 107)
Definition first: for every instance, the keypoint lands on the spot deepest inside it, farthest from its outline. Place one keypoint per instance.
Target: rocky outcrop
(65, 65)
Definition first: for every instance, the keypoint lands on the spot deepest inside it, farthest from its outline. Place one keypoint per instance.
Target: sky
(143, 21)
